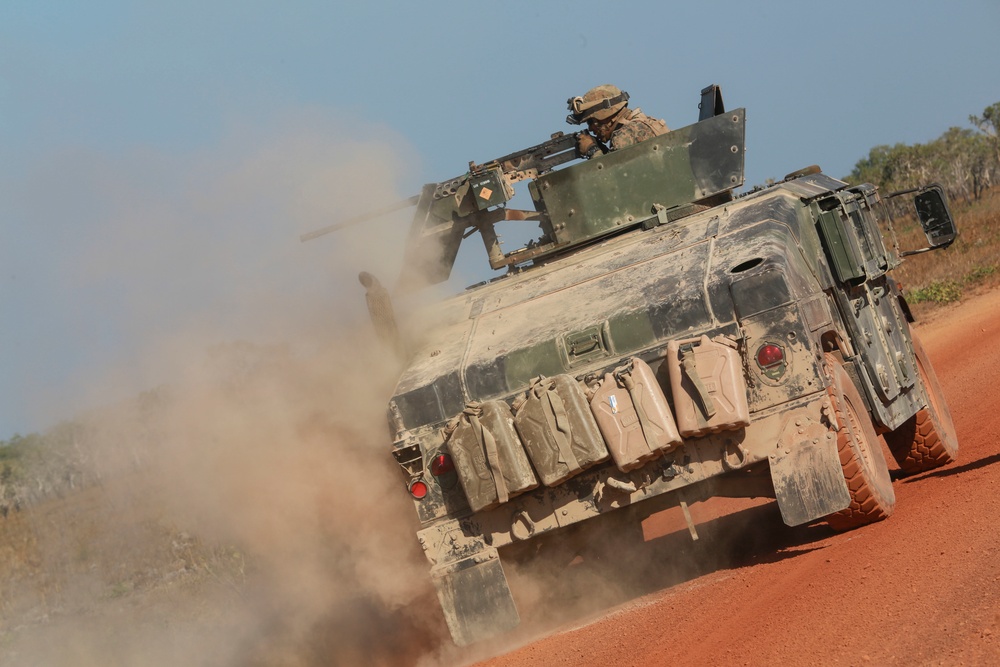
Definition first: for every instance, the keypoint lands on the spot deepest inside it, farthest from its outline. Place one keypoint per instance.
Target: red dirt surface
(920, 588)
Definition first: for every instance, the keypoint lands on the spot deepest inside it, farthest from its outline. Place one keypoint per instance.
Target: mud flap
(476, 599)
(809, 481)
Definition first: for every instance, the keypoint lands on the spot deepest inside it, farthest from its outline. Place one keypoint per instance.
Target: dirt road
(921, 588)
(91, 579)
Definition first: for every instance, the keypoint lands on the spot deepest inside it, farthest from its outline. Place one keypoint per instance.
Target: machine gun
(451, 210)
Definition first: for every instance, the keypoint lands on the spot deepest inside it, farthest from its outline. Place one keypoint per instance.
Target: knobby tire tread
(926, 440)
(869, 503)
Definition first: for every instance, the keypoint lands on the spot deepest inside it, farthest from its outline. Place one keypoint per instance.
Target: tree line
(77, 453)
(106, 442)
(966, 161)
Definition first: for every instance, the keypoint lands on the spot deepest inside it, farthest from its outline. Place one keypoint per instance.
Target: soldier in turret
(611, 123)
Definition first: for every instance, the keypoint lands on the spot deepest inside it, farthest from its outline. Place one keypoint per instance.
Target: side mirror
(935, 218)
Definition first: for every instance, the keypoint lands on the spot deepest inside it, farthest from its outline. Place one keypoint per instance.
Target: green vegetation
(934, 279)
(121, 589)
(938, 292)
(950, 291)
(13, 455)
(966, 162)
(36, 466)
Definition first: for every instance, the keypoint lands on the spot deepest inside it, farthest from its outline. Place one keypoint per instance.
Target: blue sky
(160, 159)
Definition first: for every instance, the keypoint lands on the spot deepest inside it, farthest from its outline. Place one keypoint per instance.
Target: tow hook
(741, 452)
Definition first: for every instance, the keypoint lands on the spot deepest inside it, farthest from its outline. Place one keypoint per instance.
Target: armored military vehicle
(662, 341)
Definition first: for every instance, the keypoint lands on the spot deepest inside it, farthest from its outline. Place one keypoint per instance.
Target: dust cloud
(232, 500)
(235, 501)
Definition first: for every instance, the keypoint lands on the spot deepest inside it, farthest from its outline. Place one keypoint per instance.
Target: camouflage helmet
(601, 102)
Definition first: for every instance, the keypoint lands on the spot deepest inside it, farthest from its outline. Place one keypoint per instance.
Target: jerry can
(633, 415)
(558, 428)
(706, 379)
(489, 458)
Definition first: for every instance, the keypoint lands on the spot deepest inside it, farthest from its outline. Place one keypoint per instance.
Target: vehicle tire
(927, 439)
(865, 469)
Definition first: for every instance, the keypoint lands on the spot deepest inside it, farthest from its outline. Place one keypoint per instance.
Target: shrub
(939, 291)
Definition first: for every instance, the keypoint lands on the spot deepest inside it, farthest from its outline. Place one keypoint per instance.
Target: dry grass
(970, 265)
(247, 515)
(70, 555)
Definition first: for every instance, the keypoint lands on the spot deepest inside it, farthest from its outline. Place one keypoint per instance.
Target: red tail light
(442, 464)
(770, 355)
(771, 359)
(418, 489)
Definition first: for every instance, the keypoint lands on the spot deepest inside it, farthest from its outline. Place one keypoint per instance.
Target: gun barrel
(364, 217)
(561, 148)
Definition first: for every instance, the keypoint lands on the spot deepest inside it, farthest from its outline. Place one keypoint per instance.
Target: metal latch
(582, 346)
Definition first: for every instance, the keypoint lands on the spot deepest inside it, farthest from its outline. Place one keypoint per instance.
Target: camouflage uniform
(634, 127)
(611, 124)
